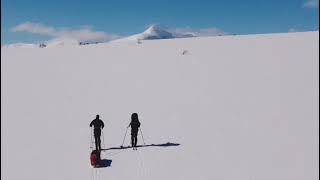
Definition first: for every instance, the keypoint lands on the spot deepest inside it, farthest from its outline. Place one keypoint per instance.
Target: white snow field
(240, 108)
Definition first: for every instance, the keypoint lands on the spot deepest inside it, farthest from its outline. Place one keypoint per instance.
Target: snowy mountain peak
(155, 32)
(152, 29)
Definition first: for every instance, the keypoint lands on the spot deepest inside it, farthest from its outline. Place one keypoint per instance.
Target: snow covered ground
(238, 107)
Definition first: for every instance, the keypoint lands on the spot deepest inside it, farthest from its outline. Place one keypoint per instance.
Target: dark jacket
(135, 124)
(97, 124)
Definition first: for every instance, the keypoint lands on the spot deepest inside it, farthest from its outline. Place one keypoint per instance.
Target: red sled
(95, 158)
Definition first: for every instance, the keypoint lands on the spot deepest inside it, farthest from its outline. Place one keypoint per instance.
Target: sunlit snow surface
(237, 108)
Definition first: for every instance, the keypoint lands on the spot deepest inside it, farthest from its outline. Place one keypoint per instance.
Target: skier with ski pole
(135, 124)
(98, 125)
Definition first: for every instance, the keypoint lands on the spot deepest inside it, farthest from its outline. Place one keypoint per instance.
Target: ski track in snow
(142, 166)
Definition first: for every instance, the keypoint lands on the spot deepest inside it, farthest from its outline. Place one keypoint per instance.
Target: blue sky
(120, 18)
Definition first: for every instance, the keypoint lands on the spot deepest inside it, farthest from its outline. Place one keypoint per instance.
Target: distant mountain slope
(20, 45)
(155, 32)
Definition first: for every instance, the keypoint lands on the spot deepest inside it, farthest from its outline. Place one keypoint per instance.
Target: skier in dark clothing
(98, 125)
(135, 124)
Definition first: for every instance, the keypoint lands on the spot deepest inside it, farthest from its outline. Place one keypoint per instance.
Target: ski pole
(103, 140)
(124, 137)
(142, 136)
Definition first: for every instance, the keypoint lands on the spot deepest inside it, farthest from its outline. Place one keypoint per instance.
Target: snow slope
(240, 107)
(48, 44)
(20, 45)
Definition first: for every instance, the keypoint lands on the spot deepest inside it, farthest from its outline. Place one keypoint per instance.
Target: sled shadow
(104, 163)
(168, 144)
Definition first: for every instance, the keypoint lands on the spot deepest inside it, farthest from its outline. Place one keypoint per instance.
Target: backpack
(95, 158)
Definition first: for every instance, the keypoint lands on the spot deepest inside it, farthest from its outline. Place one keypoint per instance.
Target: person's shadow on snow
(107, 162)
(104, 163)
(168, 144)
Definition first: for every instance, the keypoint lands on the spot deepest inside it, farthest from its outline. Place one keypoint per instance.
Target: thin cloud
(212, 31)
(85, 34)
(293, 30)
(34, 29)
(311, 4)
